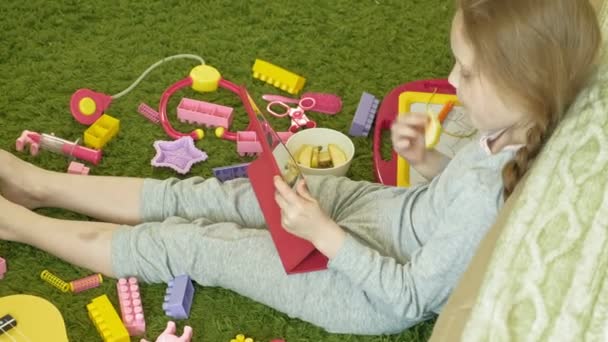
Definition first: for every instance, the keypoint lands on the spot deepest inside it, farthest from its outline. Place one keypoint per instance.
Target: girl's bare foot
(21, 182)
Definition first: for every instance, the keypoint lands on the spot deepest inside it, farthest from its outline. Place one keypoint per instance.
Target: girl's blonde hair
(538, 53)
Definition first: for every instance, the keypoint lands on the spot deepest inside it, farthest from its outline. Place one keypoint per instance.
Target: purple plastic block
(231, 172)
(2, 267)
(178, 298)
(364, 116)
(204, 113)
(179, 155)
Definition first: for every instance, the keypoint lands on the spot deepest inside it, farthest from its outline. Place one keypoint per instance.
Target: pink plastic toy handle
(307, 103)
(28, 138)
(81, 152)
(285, 99)
(164, 120)
(281, 104)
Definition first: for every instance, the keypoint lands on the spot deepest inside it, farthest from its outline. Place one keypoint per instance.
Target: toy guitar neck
(25, 318)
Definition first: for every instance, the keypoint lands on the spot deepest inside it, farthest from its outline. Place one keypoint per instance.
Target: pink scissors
(297, 115)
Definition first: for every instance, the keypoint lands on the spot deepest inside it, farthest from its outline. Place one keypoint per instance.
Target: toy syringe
(57, 145)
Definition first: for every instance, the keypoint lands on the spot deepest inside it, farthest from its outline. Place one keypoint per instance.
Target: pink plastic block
(204, 113)
(131, 309)
(2, 268)
(76, 168)
(247, 142)
(25, 139)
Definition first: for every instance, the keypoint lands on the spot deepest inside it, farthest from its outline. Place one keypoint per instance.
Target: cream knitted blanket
(548, 277)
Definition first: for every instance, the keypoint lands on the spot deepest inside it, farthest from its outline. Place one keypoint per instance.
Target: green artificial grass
(50, 49)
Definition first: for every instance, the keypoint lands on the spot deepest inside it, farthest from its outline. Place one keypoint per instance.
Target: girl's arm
(407, 136)
(330, 239)
(433, 163)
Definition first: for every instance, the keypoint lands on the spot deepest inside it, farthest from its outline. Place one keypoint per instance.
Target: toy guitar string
(9, 323)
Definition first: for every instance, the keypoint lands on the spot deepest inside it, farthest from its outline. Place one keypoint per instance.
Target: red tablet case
(297, 255)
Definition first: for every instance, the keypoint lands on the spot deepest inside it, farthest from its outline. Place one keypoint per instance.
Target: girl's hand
(302, 216)
(169, 334)
(407, 135)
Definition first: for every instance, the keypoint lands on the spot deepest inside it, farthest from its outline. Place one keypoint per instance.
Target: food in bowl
(318, 157)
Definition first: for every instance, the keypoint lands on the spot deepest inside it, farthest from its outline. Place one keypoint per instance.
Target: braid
(515, 169)
(538, 55)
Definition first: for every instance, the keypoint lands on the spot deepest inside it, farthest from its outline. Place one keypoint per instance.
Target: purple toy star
(179, 155)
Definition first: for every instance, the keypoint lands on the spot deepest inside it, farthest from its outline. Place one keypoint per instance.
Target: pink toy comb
(324, 102)
(149, 113)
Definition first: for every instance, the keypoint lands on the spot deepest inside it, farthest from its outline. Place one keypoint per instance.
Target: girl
(395, 254)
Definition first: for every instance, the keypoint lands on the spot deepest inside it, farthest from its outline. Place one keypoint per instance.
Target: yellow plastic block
(278, 77)
(107, 321)
(406, 100)
(101, 131)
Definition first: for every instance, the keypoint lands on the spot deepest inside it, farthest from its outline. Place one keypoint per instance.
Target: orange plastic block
(102, 131)
(107, 321)
(278, 77)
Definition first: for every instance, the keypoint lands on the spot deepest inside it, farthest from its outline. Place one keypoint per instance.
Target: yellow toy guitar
(25, 318)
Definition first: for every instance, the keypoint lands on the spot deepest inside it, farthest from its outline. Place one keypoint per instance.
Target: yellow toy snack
(432, 130)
